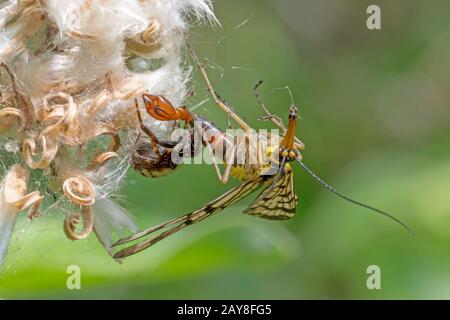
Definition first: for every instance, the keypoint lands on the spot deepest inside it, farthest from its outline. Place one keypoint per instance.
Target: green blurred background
(375, 118)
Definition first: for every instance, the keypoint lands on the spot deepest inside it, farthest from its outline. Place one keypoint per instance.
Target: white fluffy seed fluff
(70, 71)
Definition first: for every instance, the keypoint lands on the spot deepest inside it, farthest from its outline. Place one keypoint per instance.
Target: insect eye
(293, 112)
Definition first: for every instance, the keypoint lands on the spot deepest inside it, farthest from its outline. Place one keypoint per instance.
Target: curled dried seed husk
(140, 48)
(9, 11)
(26, 4)
(15, 190)
(48, 148)
(126, 118)
(16, 184)
(34, 209)
(128, 92)
(49, 117)
(151, 33)
(101, 159)
(67, 86)
(6, 114)
(146, 42)
(83, 136)
(73, 219)
(66, 119)
(31, 20)
(81, 35)
(80, 191)
(12, 47)
(115, 139)
(104, 157)
(21, 100)
(99, 101)
(115, 142)
(124, 88)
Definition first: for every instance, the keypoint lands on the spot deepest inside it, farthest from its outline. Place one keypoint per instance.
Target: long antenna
(330, 188)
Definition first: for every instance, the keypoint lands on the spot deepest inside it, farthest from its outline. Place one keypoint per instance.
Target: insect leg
(228, 163)
(219, 102)
(276, 120)
(147, 131)
(227, 145)
(269, 116)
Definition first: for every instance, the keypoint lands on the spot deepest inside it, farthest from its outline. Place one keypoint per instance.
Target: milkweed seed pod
(69, 73)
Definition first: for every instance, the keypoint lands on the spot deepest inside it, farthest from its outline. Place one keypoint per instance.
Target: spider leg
(147, 131)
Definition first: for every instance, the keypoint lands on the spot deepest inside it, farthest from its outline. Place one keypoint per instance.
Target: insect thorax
(258, 155)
